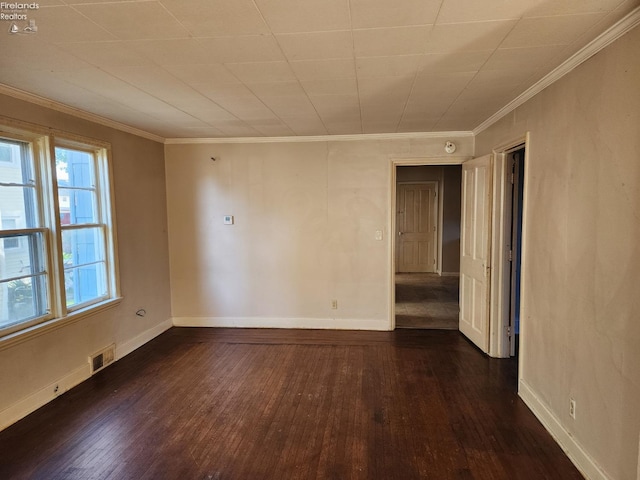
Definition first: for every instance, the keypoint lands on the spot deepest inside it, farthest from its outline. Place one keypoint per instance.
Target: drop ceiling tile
(317, 45)
(134, 20)
(567, 7)
(424, 125)
(348, 128)
(442, 84)
(340, 86)
(437, 63)
(390, 88)
(511, 58)
(276, 89)
(110, 53)
(245, 48)
(561, 30)
(212, 18)
(324, 69)
(461, 11)
(289, 16)
(393, 66)
(34, 54)
(54, 26)
(306, 125)
(373, 113)
(210, 112)
(379, 127)
(290, 106)
(274, 130)
(378, 42)
(203, 132)
(467, 37)
(262, 72)
(176, 51)
(214, 73)
(383, 13)
(238, 130)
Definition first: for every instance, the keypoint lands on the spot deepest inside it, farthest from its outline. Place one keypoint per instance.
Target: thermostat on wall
(228, 219)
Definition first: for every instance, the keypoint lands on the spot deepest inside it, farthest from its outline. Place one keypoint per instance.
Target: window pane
(82, 246)
(85, 274)
(74, 168)
(77, 206)
(16, 165)
(86, 283)
(18, 204)
(22, 300)
(24, 259)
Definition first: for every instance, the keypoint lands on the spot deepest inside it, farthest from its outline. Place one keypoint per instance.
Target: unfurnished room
(320, 239)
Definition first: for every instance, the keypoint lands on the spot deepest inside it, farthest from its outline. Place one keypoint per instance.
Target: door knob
(399, 233)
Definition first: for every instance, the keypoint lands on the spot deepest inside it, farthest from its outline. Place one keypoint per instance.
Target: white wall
(29, 370)
(306, 215)
(581, 324)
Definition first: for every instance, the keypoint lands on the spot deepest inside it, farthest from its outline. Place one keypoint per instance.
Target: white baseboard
(136, 342)
(576, 453)
(266, 322)
(31, 403)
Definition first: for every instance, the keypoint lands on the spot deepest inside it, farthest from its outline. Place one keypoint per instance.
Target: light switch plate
(228, 219)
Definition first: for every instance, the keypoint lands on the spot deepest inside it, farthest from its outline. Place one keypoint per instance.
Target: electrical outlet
(572, 408)
(334, 304)
(56, 388)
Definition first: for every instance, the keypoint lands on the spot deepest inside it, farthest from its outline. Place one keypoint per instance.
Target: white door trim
(391, 202)
(499, 345)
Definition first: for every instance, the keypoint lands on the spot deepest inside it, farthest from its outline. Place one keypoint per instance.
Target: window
(57, 255)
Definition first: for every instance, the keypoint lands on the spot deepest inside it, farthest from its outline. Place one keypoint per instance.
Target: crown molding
(624, 25)
(76, 112)
(321, 138)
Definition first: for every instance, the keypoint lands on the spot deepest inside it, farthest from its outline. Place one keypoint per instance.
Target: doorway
(427, 246)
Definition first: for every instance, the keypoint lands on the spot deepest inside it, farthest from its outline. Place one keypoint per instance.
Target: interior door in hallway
(416, 225)
(475, 244)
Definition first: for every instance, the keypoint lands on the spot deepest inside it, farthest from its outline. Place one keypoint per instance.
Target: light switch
(228, 219)
(378, 234)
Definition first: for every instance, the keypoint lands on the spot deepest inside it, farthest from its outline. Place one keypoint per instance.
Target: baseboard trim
(450, 274)
(136, 342)
(277, 322)
(576, 453)
(31, 403)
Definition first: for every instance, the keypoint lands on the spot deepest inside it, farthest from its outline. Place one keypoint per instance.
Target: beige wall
(27, 370)
(581, 324)
(306, 215)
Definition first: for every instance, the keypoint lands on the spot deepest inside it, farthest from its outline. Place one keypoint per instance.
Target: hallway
(426, 300)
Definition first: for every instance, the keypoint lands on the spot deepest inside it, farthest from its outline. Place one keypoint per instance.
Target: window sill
(47, 326)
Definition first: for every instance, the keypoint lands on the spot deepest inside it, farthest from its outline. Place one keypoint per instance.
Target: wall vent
(101, 359)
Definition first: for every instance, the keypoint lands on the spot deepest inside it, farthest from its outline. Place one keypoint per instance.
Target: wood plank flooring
(290, 404)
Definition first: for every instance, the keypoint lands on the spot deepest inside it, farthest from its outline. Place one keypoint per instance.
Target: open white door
(475, 250)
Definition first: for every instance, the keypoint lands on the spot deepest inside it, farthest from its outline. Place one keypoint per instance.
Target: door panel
(475, 248)
(416, 223)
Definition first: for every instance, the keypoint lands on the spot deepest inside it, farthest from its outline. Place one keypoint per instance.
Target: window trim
(43, 142)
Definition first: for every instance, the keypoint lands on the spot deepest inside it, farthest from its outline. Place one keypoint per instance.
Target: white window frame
(43, 143)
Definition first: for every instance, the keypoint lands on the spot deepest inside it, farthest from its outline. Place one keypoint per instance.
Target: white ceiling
(236, 68)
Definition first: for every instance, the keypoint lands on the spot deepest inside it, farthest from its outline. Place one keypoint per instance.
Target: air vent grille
(101, 359)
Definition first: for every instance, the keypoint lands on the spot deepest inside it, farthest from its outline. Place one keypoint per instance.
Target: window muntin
(57, 245)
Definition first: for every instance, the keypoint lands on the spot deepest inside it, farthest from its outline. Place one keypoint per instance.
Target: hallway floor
(426, 300)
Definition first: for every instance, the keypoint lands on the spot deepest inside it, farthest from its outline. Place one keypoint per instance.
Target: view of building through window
(55, 256)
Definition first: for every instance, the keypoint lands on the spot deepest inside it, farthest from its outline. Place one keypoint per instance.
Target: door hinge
(509, 331)
(510, 256)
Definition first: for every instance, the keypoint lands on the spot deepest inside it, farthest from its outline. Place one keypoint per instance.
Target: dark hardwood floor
(290, 404)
